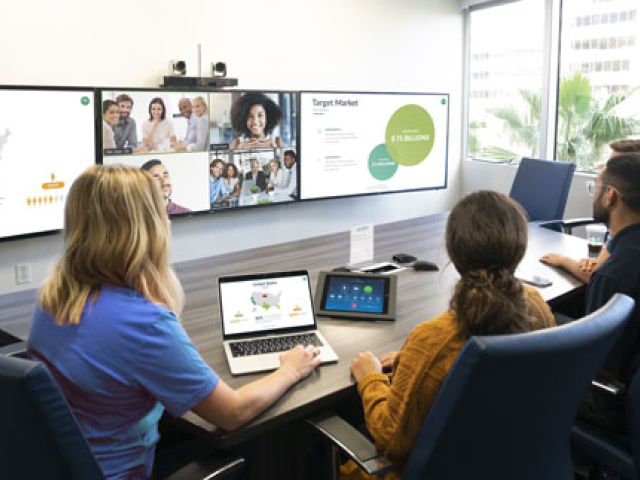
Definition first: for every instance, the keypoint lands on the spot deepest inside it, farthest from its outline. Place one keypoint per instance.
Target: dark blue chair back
(39, 435)
(542, 188)
(506, 408)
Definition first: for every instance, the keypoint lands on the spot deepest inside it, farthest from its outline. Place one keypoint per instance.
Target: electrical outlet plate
(23, 273)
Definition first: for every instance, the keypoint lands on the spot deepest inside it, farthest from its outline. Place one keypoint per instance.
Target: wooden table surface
(421, 296)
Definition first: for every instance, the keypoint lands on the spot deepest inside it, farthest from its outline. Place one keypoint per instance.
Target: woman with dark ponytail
(486, 238)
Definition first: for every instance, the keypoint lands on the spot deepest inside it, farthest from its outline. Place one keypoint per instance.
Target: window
(505, 124)
(597, 85)
(595, 105)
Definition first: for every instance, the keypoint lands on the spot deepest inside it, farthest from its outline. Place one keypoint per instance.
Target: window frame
(551, 52)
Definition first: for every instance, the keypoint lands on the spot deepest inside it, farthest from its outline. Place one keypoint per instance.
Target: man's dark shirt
(620, 273)
(261, 181)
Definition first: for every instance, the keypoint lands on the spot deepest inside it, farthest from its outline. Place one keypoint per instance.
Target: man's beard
(600, 213)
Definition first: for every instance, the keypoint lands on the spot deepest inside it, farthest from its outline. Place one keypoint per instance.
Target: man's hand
(554, 259)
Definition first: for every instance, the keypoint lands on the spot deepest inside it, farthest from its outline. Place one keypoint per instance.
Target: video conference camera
(178, 68)
(177, 77)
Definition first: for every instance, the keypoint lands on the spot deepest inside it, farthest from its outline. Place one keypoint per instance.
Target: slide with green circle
(360, 143)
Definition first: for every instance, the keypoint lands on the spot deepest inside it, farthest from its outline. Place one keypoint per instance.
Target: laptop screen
(265, 302)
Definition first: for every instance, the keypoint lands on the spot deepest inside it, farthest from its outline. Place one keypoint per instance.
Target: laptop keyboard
(273, 344)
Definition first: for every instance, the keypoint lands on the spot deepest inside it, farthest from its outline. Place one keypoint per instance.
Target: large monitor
(372, 143)
(210, 151)
(39, 160)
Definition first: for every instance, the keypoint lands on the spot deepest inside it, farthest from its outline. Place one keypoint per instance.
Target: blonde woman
(277, 179)
(107, 327)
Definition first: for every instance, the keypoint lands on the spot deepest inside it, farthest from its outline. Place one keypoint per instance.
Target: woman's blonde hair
(116, 232)
(201, 100)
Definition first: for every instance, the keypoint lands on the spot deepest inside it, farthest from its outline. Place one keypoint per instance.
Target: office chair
(506, 408)
(617, 454)
(542, 188)
(41, 439)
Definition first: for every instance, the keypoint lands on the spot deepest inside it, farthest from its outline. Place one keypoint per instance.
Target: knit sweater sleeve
(394, 412)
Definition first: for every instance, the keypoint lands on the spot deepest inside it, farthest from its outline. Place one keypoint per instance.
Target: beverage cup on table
(595, 238)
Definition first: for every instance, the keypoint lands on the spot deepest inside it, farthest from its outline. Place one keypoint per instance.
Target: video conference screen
(39, 161)
(369, 143)
(209, 150)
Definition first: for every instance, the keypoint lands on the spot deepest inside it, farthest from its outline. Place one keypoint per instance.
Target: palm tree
(523, 130)
(585, 125)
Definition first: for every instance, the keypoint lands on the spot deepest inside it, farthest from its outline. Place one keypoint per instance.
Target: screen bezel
(266, 276)
(90, 91)
(372, 194)
(206, 90)
(391, 287)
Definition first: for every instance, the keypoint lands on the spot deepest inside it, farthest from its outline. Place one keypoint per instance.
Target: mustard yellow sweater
(394, 412)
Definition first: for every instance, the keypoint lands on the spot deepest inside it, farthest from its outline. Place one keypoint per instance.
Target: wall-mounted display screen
(39, 161)
(370, 143)
(209, 150)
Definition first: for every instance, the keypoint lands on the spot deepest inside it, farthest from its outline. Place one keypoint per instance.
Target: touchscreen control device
(361, 296)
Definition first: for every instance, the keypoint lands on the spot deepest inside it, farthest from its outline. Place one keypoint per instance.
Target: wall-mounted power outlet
(23, 273)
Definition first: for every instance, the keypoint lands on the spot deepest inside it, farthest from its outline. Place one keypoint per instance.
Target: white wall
(358, 45)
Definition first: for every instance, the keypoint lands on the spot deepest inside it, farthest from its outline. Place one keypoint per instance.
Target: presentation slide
(367, 143)
(266, 304)
(38, 160)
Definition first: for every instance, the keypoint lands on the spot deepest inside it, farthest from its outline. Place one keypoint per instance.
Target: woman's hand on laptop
(300, 361)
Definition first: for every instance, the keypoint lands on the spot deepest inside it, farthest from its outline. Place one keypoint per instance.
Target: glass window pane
(599, 97)
(504, 123)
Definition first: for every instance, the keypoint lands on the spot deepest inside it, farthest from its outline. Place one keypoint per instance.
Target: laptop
(264, 315)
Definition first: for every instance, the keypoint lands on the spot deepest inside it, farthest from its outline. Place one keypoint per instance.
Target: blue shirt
(124, 361)
(620, 273)
(218, 189)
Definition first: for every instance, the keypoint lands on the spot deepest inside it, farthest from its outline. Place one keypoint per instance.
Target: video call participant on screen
(158, 132)
(254, 116)
(218, 188)
(160, 172)
(197, 126)
(107, 327)
(109, 119)
(256, 176)
(277, 179)
(291, 173)
(584, 268)
(486, 238)
(125, 130)
(231, 180)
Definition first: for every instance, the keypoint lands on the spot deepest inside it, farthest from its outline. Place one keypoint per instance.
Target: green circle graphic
(381, 166)
(410, 135)
(84, 100)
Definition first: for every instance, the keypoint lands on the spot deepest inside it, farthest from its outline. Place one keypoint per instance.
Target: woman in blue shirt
(107, 327)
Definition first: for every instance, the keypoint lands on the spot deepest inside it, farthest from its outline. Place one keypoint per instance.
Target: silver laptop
(264, 315)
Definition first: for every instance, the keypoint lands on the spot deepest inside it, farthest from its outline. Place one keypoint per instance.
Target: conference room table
(422, 295)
